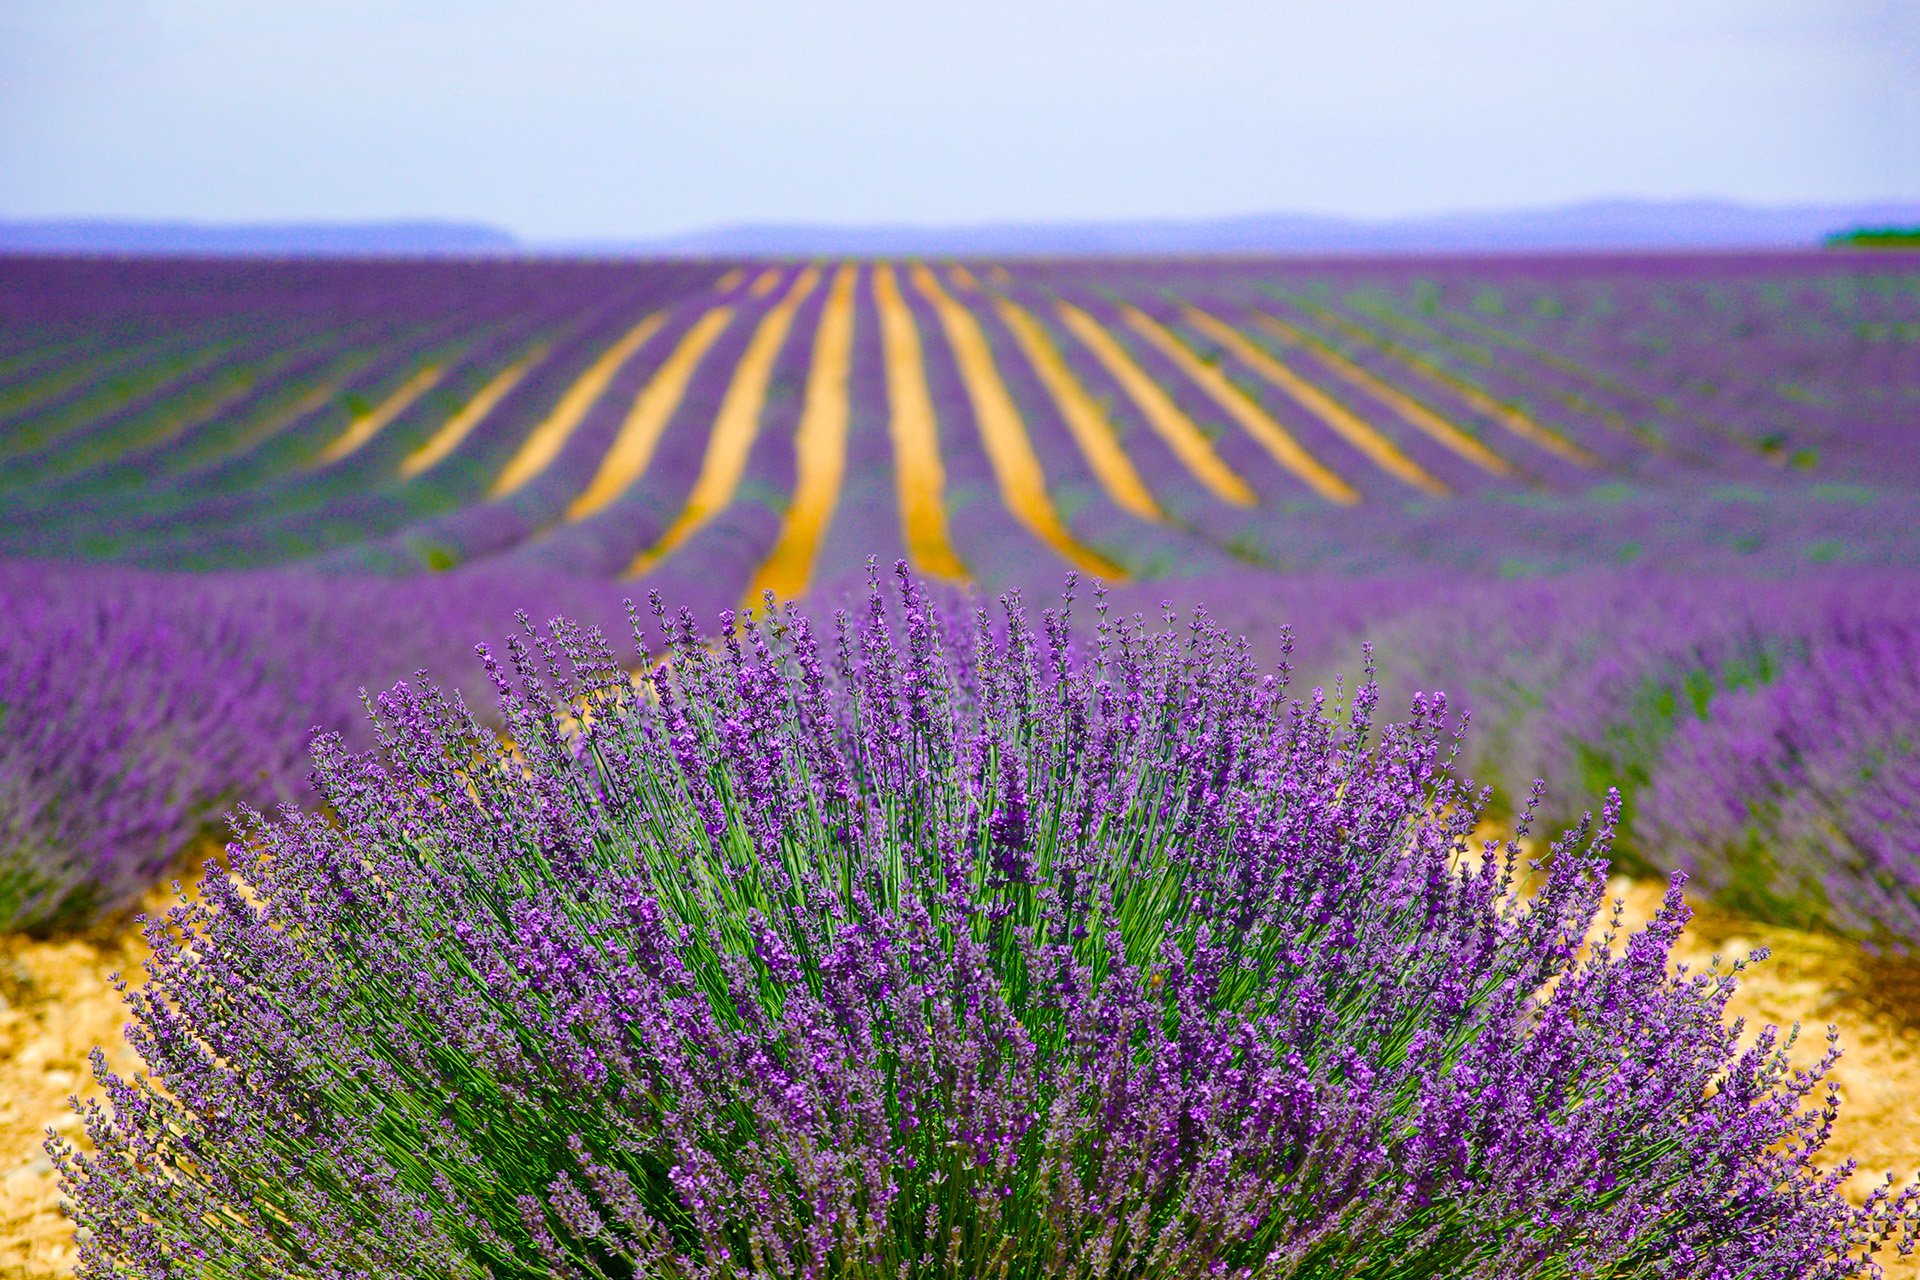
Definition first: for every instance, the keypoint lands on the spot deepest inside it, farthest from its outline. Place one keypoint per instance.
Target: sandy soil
(56, 1003)
(1819, 981)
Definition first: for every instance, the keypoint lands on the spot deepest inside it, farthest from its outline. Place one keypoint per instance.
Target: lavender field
(778, 424)
(1652, 523)
(1585, 495)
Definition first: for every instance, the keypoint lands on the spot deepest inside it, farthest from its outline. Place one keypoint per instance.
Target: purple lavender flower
(135, 708)
(1801, 798)
(921, 947)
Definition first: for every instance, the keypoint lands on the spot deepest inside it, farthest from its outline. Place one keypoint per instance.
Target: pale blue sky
(609, 118)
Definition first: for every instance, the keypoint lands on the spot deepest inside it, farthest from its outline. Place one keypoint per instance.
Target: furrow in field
(204, 454)
(345, 351)
(444, 517)
(549, 436)
(1181, 434)
(820, 451)
(1269, 434)
(368, 424)
(1506, 415)
(963, 278)
(919, 479)
(275, 445)
(730, 281)
(1082, 414)
(1022, 482)
(312, 402)
(121, 394)
(276, 503)
(1344, 422)
(632, 449)
(866, 520)
(1477, 396)
(301, 395)
(73, 376)
(1607, 382)
(767, 282)
(28, 364)
(734, 427)
(96, 450)
(455, 429)
(1420, 415)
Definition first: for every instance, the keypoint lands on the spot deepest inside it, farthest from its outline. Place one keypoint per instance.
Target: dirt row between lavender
(57, 1002)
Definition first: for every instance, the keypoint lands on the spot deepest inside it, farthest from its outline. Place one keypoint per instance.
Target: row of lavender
(137, 709)
(1766, 731)
(1810, 361)
(189, 426)
(1794, 453)
(1795, 456)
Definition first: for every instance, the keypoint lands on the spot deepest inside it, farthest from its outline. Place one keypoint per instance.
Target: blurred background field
(1651, 520)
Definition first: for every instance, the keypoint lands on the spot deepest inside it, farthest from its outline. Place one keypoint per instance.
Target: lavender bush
(1760, 730)
(1800, 799)
(137, 708)
(130, 718)
(932, 949)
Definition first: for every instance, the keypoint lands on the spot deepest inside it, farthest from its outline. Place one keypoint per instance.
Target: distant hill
(1619, 224)
(1616, 224)
(345, 239)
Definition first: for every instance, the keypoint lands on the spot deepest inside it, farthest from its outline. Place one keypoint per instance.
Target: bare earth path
(58, 1003)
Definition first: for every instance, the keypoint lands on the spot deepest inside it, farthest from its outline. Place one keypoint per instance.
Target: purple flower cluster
(1759, 729)
(1802, 798)
(117, 745)
(927, 948)
(136, 708)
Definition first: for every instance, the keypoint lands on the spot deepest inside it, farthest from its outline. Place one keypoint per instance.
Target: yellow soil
(734, 426)
(767, 282)
(1180, 433)
(819, 450)
(550, 434)
(632, 449)
(455, 429)
(1023, 483)
(1506, 415)
(1421, 416)
(999, 275)
(963, 278)
(1344, 422)
(730, 281)
(366, 426)
(1257, 422)
(58, 1004)
(1819, 981)
(275, 420)
(919, 479)
(1082, 414)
